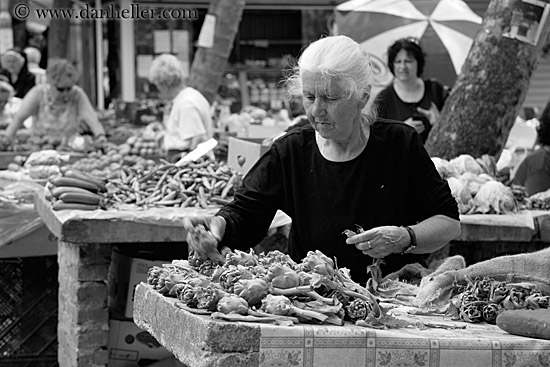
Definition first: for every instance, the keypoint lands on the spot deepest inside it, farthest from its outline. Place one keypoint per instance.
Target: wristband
(413, 243)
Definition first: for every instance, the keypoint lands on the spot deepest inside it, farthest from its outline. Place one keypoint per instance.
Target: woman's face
(330, 110)
(11, 64)
(405, 66)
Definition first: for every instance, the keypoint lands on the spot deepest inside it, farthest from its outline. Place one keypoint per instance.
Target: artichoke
(275, 256)
(359, 309)
(281, 305)
(472, 312)
(238, 257)
(204, 244)
(317, 262)
(208, 297)
(252, 290)
(490, 312)
(233, 304)
(231, 275)
(282, 276)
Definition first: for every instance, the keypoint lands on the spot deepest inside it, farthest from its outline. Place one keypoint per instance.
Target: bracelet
(413, 243)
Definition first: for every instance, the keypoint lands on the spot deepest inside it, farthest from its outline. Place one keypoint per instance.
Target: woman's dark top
(390, 106)
(534, 172)
(25, 81)
(392, 182)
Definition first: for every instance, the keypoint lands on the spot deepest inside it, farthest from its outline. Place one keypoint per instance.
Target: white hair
(340, 58)
(167, 70)
(33, 55)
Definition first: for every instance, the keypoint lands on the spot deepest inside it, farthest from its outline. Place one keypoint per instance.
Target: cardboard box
(244, 148)
(130, 346)
(125, 273)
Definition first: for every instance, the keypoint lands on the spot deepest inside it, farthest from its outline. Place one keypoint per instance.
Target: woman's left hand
(381, 241)
(432, 114)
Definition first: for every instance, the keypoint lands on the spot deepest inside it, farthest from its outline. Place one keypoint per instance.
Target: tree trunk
(488, 94)
(209, 63)
(59, 32)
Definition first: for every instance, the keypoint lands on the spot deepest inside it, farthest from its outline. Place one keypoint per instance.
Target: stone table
(85, 240)
(200, 341)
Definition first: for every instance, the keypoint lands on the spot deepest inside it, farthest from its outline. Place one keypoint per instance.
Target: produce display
(193, 184)
(484, 299)
(75, 190)
(267, 288)
(475, 187)
(25, 142)
(103, 165)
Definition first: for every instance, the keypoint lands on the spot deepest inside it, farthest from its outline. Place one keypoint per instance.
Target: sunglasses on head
(63, 89)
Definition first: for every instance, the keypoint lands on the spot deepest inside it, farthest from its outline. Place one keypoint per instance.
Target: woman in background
(409, 98)
(187, 117)
(534, 171)
(59, 107)
(14, 63)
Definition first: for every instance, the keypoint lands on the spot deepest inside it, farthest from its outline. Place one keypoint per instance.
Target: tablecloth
(476, 345)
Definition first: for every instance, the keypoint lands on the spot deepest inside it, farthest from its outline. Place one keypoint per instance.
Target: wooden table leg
(83, 325)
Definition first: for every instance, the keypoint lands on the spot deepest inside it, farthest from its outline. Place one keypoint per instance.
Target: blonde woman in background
(59, 107)
(187, 117)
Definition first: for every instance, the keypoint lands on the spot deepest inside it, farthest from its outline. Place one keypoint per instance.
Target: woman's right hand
(214, 224)
(417, 124)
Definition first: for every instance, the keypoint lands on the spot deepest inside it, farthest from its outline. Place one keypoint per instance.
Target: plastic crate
(28, 312)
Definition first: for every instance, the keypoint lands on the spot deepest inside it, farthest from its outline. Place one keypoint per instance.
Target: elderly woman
(410, 98)
(14, 63)
(58, 107)
(346, 168)
(187, 118)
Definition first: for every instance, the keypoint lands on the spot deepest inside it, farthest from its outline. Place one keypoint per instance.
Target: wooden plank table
(200, 341)
(85, 242)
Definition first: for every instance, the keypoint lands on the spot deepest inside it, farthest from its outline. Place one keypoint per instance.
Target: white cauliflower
(444, 167)
(466, 163)
(495, 197)
(461, 194)
(473, 182)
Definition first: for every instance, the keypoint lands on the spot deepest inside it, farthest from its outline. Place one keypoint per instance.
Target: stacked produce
(484, 299)
(474, 185)
(246, 286)
(540, 201)
(193, 184)
(101, 165)
(270, 286)
(145, 146)
(25, 142)
(75, 190)
(44, 164)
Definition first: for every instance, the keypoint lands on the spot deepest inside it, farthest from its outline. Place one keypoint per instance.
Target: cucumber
(74, 182)
(530, 323)
(59, 205)
(58, 191)
(74, 173)
(80, 198)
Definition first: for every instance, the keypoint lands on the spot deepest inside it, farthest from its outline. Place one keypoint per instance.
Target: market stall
(84, 254)
(198, 340)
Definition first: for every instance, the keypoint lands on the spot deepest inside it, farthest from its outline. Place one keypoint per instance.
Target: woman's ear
(365, 97)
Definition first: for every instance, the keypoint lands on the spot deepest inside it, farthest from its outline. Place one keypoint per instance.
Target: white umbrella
(445, 28)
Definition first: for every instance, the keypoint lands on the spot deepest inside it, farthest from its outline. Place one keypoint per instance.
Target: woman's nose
(319, 108)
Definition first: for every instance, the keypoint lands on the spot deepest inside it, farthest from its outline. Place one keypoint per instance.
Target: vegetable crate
(28, 312)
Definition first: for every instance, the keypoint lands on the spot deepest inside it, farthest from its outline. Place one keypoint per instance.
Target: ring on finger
(368, 244)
